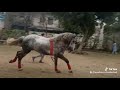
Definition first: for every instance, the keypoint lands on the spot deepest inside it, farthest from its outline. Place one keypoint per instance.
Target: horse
(70, 48)
(54, 46)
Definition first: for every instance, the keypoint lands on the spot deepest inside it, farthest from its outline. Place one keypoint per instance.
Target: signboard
(2, 18)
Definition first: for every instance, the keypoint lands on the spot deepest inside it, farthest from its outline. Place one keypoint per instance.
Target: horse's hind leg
(33, 58)
(66, 60)
(14, 60)
(20, 55)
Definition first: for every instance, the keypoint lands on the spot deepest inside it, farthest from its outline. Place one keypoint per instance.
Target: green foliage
(112, 29)
(4, 34)
(107, 17)
(77, 22)
(84, 22)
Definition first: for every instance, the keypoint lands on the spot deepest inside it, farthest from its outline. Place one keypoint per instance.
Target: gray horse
(54, 46)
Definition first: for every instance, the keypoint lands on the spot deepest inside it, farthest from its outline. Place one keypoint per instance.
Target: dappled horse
(41, 55)
(53, 46)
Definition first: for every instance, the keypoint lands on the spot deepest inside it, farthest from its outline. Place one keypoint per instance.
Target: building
(34, 21)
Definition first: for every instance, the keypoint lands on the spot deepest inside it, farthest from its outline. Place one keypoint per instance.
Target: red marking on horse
(14, 60)
(51, 47)
(69, 67)
(19, 64)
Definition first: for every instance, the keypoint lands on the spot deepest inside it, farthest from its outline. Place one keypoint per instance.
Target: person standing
(114, 48)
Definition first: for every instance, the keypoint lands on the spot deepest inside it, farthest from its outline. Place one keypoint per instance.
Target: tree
(84, 22)
(43, 21)
(27, 21)
(107, 17)
(8, 20)
(78, 22)
(112, 28)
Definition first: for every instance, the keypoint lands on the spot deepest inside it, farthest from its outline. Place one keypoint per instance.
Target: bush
(4, 34)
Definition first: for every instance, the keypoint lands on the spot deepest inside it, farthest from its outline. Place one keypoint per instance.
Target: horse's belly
(41, 48)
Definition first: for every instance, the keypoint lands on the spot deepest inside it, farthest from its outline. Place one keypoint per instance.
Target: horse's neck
(60, 40)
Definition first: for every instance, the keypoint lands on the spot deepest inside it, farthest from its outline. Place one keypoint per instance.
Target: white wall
(36, 22)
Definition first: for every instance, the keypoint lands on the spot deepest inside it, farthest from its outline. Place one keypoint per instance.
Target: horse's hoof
(20, 69)
(33, 59)
(41, 62)
(70, 71)
(11, 61)
(58, 71)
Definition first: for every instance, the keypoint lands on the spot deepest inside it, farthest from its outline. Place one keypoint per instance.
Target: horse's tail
(17, 42)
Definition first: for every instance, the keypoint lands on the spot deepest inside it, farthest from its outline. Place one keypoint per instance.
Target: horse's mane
(64, 37)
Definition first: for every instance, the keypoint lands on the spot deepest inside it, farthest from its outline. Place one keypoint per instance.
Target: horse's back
(35, 42)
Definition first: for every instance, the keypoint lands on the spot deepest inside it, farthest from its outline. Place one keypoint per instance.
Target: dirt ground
(82, 65)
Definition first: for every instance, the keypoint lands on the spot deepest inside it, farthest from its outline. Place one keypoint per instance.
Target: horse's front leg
(66, 60)
(55, 62)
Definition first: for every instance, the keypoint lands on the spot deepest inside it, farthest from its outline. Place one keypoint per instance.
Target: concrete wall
(36, 22)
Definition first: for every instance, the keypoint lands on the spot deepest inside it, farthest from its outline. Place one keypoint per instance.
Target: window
(2, 13)
(42, 19)
(50, 20)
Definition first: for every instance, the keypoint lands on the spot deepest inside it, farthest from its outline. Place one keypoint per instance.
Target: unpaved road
(81, 65)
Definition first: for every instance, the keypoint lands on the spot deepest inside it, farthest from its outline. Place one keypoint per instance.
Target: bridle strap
(51, 49)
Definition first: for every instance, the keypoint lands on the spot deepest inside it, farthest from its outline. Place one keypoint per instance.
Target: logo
(107, 70)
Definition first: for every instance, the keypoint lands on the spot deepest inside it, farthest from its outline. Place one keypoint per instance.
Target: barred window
(50, 20)
(42, 19)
